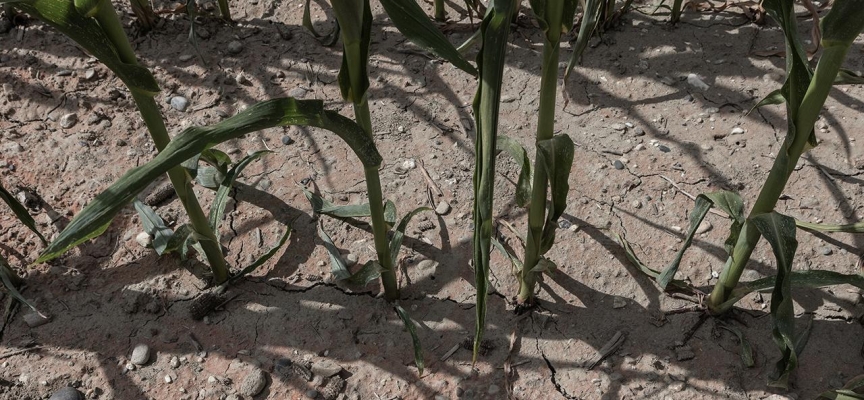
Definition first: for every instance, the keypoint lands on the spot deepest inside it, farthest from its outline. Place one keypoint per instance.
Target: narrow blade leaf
(154, 226)
(266, 256)
(217, 210)
(415, 340)
(21, 212)
(520, 155)
(556, 156)
(337, 265)
(399, 234)
(703, 204)
(321, 206)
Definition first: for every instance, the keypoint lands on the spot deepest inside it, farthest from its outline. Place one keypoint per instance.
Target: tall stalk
(440, 14)
(149, 110)
(355, 21)
(804, 98)
(224, 10)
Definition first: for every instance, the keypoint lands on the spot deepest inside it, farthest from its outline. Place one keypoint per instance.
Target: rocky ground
(657, 113)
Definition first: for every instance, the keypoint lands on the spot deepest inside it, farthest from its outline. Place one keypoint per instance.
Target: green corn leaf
(545, 265)
(95, 218)
(520, 155)
(337, 265)
(847, 77)
(324, 207)
(390, 213)
(590, 18)
(327, 40)
(514, 261)
(857, 227)
(266, 256)
(21, 212)
(217, 210)
(779, 231)
(410, 19)
(217, 158)
(556, 157)
(8, 277)
(853, 390)
(355, 21)
(399, 234)
(154, 226)
(180, 241)
(746, 350)
(63, 16)
(631, 256)
(677, 7)
(812, 279)
(495, 30)
(209, 177)
(703, 204)
(554, 12)
(370, 272)
(733, 205)
(415, 340)
(773, 98)
(192, 38)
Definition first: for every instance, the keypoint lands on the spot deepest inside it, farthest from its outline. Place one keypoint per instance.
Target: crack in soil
(553, 378)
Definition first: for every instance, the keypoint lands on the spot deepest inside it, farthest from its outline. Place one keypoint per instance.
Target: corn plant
(440, 13)
(224, 10)
(11, 280)
(852, 390)
(804, 93)
(354, 21)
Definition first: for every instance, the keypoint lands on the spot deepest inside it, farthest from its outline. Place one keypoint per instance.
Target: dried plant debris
(333, 388)
(205, 304)
(486, 345)
(160, 195)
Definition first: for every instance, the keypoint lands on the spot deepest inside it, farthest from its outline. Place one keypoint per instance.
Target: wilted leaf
(556, 157)
(409, 325)
(515, 150)
(21, 212)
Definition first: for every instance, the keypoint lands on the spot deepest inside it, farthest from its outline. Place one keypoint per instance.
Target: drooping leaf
(410, 19)
(20, 212)
(264, 257)
(8, 276)
(86, 31)
(810, 278)
(703, 204)
(154, 226)
(495, 30)
(746, 350)
(545, 265)
(515, 262)
(399, 234)
(209, 177)
(370, 272)
(847, 77)
(520, 155)
(180, 241)
(415, 340)
(857, 227)
(773, 98)
(779, 231)
(94, 219)
(590, 18)
(390, 213)
(337, 266)
(320, 205)
(853, 390)
(631, 256)
(326, 39)
(217, 210)
(556, 157)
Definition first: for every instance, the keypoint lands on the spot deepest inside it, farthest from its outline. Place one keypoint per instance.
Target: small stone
(140, 354)
(235, 47)
(703, 227)
(636, 204)
(618, 164)
(175, 362)
(442, 208)
(696, 82)
(427, 265)
(737, 131)
(826, 251)
(286, 140)
(639, 131)
(409, 164)
(564, 224)
(130, 367)
(619, 127)
(253, 383)
(68, 120)
(179, 103)
(168, 379)
(350, 259)
(67, 393)
(90, 74)
(325, 368)
(185, 57)
(684, 353)
(663, 148)
(202, 33)
(33, 319)
(243, 80)
(493, 389)
(144, 239)
(297, 93)
(618, 302)
(311, 393)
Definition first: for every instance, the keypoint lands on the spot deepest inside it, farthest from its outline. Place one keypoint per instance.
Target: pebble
(703, 227)
(493, 389)
(68, 120)
(826, 251)
(168, 379)
(409, 164)
(175, 362)
(442, 208)
(737, 130)
(202, 33)
(350, 259)
(67, 393)
(140, 354)
(312, 393)
(564, 224)
(144, 239)
(286, 140)
(684, 353)
(34, 319)
(639, 131)
(325, 368)
(696, 82)
(90, 74)
(179, 103)
(235, 47)
(297, 93)
(636, 204)
(253, 383)
(618, 302)
(663, 148)
(618, 164)
(185, 57)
